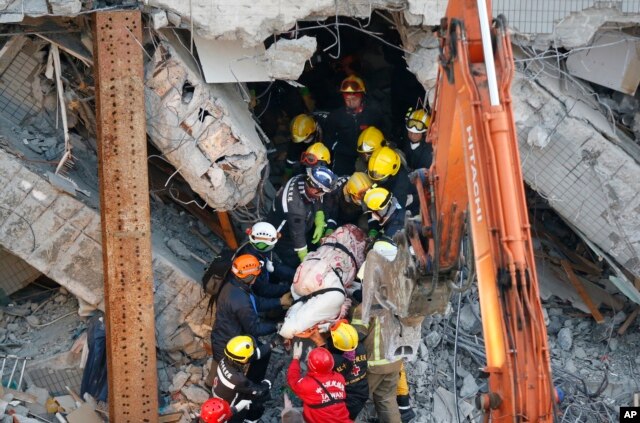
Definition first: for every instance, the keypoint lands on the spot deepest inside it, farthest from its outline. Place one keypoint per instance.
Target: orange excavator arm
(476, 170)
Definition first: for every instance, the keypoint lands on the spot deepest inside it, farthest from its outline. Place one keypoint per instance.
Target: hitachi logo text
(474, 176)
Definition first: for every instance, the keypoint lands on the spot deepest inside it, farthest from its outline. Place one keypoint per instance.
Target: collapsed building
(214, 88)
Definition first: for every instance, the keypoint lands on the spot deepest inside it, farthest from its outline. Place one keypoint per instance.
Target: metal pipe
(487, 48)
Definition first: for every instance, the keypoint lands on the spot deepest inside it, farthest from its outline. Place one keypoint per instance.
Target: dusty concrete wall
(61, 237)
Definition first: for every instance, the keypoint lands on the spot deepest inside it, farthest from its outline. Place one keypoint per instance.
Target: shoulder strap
(306, 298)
(344, 250)
(331, 401)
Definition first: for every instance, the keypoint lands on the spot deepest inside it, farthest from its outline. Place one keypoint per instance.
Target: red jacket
(312, 394)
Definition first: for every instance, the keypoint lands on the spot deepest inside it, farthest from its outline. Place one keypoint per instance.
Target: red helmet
(215, 410)
(320, 361)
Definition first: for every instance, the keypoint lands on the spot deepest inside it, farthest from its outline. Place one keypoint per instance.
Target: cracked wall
(61, 237)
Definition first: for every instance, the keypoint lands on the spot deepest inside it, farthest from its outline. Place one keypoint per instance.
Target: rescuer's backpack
(217, 272)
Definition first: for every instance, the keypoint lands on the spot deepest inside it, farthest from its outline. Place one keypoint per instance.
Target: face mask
(262, 246)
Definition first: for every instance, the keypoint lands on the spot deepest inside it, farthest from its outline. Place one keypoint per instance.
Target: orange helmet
(352, 84)
(245, 266)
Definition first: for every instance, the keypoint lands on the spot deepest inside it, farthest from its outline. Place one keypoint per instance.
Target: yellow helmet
(377, 198)
(352, 84)
(314, 153)
(383, 163)
(303, 129)
(344, 336)
(356, 186)
(239, 349)
(418, 121)
(370, 140)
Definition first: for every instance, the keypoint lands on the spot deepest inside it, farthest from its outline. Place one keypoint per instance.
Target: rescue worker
(350, 359)
(382, 374)
(344, 204)
(317, 154)
(417, 150)
(369, 141)
(387, 217)
(298, 210)
(231, 383)
(322, 390)
(402, 397)
(304, 132)
(263, 237)
(345, 124)
(237, 312)
(385, 168)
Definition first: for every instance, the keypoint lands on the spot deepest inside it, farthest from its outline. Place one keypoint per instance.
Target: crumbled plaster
(423, 61)
(425, 12)
(286, 58)
(252, 21)
(205, 131)
(578, 29)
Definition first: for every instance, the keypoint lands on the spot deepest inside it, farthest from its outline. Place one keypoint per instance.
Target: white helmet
(263, 236)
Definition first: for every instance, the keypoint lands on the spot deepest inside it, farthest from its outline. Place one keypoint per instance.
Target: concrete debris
(469, 387)
(469, 321)
(425, 12)
(205, 131)
(578, 29)
(586, 154)
(612, 61)
(195, 394)
(179, 379)
(287, 57)
(158, 18)
(219, 19)
(565, 338)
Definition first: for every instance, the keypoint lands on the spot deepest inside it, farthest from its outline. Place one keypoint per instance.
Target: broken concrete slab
(219, 19)
(582, 170)
(227, 61)
(205, 131)
(578, 29)
(286, 58)
(613, 61)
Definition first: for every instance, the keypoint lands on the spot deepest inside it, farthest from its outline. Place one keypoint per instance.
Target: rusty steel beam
(124, 209)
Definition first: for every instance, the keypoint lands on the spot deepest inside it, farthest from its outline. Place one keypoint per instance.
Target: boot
(406, 412)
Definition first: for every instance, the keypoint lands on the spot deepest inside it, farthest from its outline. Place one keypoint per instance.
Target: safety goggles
(309, 139)
(377, 176)
(351, 87)
(310, 159)
(354, 198)
(314, 190)
(416, 126)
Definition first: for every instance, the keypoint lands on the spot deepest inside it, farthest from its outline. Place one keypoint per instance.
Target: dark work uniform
(237, 314)
(420, 157)
(343, 130)
(392, 225)
(231, 384)
(293, 157)
(267, 284)
(298, 211)
(401, 187)
(355, 376)
(339, 210)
